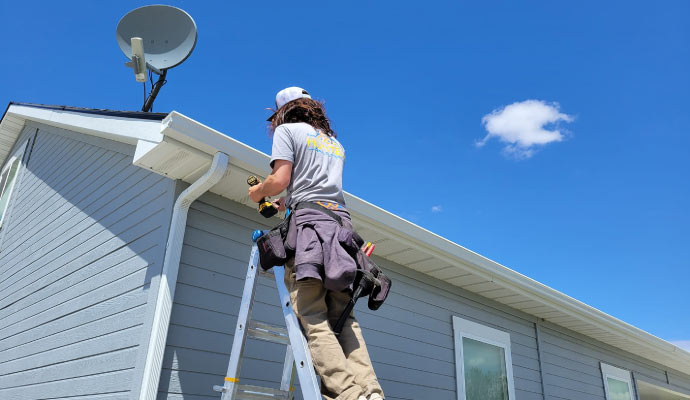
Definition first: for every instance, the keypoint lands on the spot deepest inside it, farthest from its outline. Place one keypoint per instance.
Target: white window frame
(7, 167)
(620, 374)
(472, 330)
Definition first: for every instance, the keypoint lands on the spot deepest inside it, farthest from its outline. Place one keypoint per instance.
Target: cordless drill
(266, 208)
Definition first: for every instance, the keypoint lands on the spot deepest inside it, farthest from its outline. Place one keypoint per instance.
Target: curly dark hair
(303, 110)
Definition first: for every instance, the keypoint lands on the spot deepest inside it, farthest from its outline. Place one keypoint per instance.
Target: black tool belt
(271, 245)
(278, 245)
(370, 279)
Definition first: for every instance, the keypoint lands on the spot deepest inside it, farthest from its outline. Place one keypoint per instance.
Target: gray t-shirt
(317, 163)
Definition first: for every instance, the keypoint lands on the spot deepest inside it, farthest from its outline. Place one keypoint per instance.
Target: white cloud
(683, 344)
(436, 209)
(521, 126)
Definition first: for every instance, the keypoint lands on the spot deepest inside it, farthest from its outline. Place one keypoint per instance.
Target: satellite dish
(168, 35)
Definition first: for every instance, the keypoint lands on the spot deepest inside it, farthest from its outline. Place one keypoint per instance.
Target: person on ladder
(308, 160)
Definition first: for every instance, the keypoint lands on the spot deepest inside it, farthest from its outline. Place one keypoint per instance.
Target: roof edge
(98, 111)
(122, 126)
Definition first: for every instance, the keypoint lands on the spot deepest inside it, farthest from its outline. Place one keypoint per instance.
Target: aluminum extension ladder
(297, 356)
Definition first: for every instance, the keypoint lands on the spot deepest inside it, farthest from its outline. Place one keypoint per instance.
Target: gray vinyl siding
(572, 366)
(85, 235)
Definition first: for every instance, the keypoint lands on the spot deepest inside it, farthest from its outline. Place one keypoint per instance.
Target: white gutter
(171, 265)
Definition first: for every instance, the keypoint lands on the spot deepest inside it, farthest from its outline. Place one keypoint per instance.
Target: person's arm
(276, 182)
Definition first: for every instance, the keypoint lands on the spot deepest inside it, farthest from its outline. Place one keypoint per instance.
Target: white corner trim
(168, 280)
(18, 154)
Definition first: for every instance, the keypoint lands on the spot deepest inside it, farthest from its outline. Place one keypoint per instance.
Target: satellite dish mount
(156, 38)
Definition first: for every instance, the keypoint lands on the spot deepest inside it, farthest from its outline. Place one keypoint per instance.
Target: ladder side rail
(303, 364)
(232, 377)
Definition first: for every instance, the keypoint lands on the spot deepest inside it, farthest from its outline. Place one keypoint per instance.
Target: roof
(99, 111)
(180, 148)
(125, 126)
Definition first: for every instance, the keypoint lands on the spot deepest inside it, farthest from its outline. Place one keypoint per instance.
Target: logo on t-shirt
(326, 145)
(330, 205)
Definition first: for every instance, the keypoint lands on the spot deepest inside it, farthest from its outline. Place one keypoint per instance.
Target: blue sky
(600, 214)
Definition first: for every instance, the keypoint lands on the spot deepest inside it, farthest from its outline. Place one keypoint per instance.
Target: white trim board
(121, 129)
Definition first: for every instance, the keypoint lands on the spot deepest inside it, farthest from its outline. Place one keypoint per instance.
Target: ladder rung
(250, 392)
(268, 332)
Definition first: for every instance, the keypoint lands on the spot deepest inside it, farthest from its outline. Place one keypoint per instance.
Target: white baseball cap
(287, 95)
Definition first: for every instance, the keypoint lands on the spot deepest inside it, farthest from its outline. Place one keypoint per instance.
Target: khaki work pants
(342, 362)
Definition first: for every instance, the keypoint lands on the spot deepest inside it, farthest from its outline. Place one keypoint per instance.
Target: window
(617, 383)
(7, 179)
(483, 365)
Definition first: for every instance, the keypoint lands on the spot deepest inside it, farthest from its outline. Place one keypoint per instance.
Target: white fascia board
(121, 129)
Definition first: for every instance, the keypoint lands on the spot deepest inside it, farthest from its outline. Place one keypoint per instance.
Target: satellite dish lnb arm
(154, 91)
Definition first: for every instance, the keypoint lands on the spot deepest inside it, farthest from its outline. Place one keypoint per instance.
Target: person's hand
(255, 192)
(279, 204)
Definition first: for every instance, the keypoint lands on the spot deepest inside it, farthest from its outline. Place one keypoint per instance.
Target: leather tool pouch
(378, 291)
(272, 250)
(370, 277)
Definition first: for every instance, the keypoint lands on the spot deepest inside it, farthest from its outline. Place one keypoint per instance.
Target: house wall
(85, 235)
(572, 366)
(410, 338)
